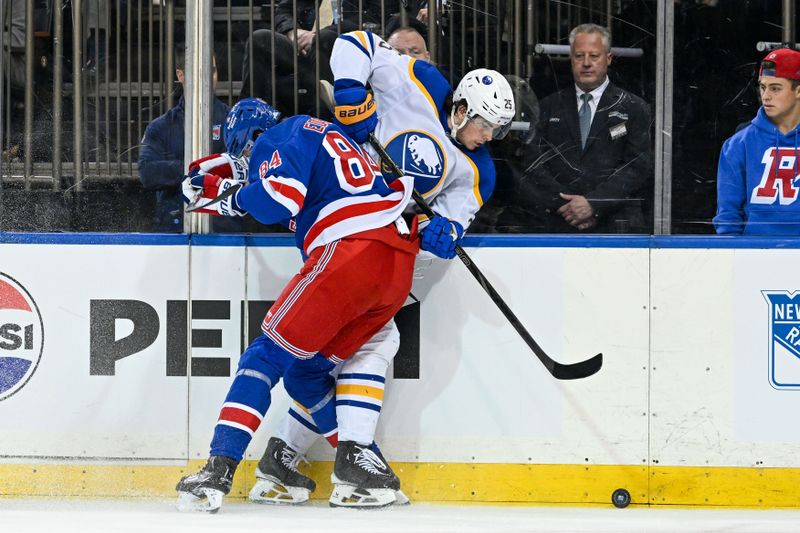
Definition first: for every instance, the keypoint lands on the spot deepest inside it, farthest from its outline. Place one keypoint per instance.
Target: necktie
(585, 117)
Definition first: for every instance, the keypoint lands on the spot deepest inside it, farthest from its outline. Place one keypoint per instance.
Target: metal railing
(122, 70)
(97, 72)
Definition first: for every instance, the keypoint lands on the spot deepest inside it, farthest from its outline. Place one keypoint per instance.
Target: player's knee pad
(309, 381)
(267, 358)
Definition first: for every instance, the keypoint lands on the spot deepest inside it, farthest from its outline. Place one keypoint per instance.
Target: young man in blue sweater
(759, 167)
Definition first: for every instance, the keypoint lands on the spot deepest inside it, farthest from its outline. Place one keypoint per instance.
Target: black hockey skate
(203, 490)
(362, 478)
(277, 478)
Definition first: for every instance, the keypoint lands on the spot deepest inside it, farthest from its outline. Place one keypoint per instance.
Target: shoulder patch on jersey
(315, 124)
(420, 156)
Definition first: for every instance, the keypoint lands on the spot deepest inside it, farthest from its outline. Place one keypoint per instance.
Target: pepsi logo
(21, 336)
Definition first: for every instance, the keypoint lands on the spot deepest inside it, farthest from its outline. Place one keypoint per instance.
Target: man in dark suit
(590, 166)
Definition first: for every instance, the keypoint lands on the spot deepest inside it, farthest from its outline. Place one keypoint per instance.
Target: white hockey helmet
(489, 96)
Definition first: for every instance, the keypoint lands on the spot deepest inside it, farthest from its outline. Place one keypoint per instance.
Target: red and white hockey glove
(211, 176)
(203, 189)
(223, 165)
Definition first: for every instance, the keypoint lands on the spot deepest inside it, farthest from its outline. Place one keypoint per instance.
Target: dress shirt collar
(596, 93)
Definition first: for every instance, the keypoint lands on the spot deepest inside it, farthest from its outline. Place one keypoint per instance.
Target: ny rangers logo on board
(420, 156)
(784, 339)
(21, 336)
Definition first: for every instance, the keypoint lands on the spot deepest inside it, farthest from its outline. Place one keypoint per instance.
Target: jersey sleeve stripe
(421, 86)
(349, 38)
(362, 36)
(476, 185)
(288, 192)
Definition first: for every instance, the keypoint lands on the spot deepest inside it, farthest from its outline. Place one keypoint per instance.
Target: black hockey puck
(621, 498)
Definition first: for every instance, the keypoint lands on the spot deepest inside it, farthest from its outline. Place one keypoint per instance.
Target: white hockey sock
(359, 398)
(296, 430)
(360, 385)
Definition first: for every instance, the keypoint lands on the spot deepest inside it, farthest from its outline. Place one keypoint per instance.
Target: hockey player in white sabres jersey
(437, 137)
(357, 272)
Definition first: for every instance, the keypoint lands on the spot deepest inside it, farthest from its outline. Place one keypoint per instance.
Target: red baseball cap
(787, 64)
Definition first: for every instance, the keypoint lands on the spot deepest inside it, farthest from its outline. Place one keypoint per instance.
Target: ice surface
(90, 516)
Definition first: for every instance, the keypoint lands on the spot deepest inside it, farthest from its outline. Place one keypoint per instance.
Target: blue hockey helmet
(246, 120)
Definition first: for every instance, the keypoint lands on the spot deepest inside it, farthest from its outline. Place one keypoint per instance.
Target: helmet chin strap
(455, 127)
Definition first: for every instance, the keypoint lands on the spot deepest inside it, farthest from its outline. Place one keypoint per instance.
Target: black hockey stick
(231, 190)
(558, 370)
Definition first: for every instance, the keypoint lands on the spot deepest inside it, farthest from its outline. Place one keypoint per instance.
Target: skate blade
(402, 499)
(210, 502)
(269, 490)
(353, 497)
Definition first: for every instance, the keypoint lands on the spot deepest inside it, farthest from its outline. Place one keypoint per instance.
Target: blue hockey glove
(441, 236)
(355, 110)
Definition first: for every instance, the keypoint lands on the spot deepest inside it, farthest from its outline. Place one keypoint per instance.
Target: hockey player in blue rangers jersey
(357, 273)
(437, 137)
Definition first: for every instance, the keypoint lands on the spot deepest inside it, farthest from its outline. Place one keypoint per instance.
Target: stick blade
(581, 370)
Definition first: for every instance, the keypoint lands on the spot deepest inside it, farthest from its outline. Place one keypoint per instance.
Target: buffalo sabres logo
(420, 156)
(784, 339)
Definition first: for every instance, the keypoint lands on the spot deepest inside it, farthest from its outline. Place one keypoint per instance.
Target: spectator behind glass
(161, 157)
(346, 19)
(409, 42)
(756, 191)
(13, 70)
(14, 41)
(590, 165)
